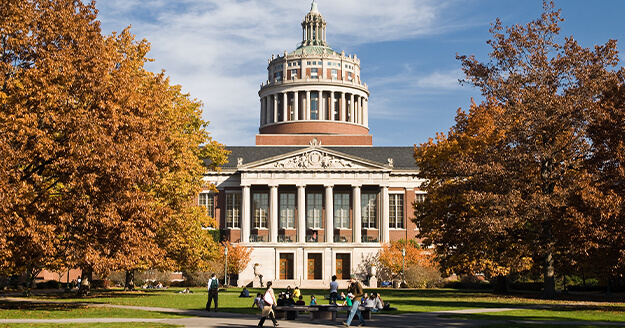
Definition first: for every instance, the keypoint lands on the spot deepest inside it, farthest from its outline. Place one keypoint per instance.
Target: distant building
(313, 198)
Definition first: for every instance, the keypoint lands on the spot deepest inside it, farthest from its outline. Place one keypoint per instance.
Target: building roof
(402, 156)
(314, 50)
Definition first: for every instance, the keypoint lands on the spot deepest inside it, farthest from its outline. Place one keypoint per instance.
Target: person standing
(213, 292)
(269, 301)
(355, 289)
(334, 289)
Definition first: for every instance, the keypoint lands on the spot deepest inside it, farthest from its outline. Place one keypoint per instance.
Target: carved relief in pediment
(314, 160)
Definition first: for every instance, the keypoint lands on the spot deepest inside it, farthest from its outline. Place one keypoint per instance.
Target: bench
(291, 312)
(325, 312)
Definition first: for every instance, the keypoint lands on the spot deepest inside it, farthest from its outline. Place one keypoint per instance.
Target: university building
(313, 198)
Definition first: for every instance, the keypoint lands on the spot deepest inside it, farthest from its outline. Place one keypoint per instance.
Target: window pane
(313, 210)
(233, 209)
(261, 206)
(287, 211)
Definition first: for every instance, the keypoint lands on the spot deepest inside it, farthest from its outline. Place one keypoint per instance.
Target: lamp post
(403, 265)
(226, 266)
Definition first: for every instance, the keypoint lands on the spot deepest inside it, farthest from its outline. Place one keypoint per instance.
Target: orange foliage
(391, 257)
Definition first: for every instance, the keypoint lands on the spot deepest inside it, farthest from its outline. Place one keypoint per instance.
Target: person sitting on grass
(300, 301)
(369, 303)
(341, 297)
(348, 299)
(378, 305)
(244, 293)
(313, 300)
(258, 301)
(296, 293)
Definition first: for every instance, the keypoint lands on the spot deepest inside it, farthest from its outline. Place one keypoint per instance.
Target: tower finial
(313, 7)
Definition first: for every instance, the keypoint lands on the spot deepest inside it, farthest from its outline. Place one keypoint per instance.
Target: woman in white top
(269, 300)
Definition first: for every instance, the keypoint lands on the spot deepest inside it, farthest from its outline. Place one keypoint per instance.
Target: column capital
(300, 185)
(328, 185)
(357, 185)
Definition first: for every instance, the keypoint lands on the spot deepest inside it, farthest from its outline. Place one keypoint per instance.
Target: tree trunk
(85, 284)
(549, 291)
(29, 273)
(129, 285)
(501, 284)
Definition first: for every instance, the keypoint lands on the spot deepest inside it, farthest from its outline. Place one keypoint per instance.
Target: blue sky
(218, 50)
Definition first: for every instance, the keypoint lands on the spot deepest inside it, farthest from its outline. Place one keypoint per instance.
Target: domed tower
(314, 92)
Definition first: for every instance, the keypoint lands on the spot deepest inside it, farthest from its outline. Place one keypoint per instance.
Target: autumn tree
(391, 255)
(99, 158)
(501, 182)
(239, 256)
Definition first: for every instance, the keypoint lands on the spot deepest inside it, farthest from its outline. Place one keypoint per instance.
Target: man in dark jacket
(356, 289)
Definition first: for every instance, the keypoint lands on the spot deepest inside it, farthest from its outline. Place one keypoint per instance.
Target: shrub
(417, 276)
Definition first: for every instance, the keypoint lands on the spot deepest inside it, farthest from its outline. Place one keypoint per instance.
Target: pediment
(313, 159)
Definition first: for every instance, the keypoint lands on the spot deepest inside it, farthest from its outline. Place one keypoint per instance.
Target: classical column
(296, 106)
(321, 114)
(384, 221)
(329, 215)
(357, 221)
(263, 112)
(307, 106)
(360, 110)
(301, 214)
(343, 111)
(246, 215)
(285, 107)
(331, 111)
(275, 108)
(365, 113)
(351, 107)
(273, 214)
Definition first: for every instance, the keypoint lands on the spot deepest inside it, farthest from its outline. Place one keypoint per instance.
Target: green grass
(590, 307)
(567, 313)
(90, 325)
(30, 310)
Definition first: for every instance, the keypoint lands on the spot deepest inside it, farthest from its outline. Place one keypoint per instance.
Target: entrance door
(286, 266)
(314, 266)
(343, 269)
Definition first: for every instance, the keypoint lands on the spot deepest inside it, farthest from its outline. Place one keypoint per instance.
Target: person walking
(213, 292)
(334, 289)
(355, 289)
(269, 301)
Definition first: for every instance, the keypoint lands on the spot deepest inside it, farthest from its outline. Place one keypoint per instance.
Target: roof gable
(313, 158)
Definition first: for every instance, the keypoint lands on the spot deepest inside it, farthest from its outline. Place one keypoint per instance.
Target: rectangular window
(420, 198)
(314, 105)
(206, 200)
(294, 73)
(341, 210)
(369, 210)
(349, 76)
(279, 76)
(260, 206)
(314, 73)
(287, 211)
(233, 211)
(314, 209)
(396, 211)
(335, 73)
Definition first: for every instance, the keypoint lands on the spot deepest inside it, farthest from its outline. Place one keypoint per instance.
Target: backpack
(214, 284)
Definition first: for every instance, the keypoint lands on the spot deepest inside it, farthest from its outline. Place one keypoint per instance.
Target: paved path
(200, 318)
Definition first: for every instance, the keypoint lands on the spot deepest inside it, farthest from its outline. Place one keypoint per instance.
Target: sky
(218, 51)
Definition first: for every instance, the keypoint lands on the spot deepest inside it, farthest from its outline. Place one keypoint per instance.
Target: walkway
(199, 318)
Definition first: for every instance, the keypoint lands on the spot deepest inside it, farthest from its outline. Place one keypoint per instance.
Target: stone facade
(313, 198)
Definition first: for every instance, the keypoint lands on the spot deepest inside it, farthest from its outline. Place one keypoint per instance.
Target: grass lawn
(30, 310)
(589, 307)
(558, 313)
(89, 325)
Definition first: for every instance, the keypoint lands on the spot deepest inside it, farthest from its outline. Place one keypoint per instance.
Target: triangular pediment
(314, 158)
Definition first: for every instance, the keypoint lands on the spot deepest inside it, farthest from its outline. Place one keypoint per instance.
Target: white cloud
(218, 50)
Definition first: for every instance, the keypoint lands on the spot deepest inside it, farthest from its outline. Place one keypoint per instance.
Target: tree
(501, 182)
(99, 158)
(239, 256)
(391, 257)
